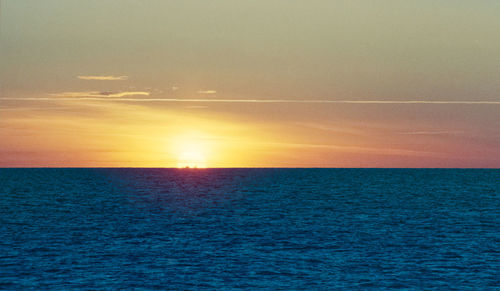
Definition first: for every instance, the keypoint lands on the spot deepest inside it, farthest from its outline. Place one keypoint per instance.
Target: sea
(270, 229)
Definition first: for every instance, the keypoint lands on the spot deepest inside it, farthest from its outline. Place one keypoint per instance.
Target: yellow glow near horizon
(191, 158)
(132, 135)
(191, 150)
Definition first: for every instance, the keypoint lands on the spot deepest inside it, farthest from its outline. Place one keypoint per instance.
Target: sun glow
(191, 158)
(191, 152)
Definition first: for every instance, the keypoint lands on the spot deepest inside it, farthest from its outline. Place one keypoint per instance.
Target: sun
(191, 149)
(191, 157)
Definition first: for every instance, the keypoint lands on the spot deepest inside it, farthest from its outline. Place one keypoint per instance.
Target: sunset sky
(249, 83)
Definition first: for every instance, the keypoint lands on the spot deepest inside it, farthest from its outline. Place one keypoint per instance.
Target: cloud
(175, 88)
(103, 78)
(207, 92)
(100, 94)
(196, 107)
(307, 101)
(433, 132)
(96, 95)
(338, 129)
(358, 149)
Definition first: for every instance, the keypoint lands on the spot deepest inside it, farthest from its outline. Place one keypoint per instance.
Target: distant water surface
(249, 228)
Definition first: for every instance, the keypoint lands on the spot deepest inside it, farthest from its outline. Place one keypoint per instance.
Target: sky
(223, 83)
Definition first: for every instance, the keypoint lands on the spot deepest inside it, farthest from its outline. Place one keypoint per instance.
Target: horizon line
(208, 168)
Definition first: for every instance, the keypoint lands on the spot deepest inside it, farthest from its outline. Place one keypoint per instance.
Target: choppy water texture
(249, 228)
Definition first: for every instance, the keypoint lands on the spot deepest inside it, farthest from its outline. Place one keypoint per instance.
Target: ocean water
(249, 229)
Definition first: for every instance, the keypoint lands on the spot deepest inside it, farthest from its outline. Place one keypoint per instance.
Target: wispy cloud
(196, 107)
(100, 94)
(325, 127)
(358, 149)
(207, 92)
(103, 78)
(96, 95)
(433, 132)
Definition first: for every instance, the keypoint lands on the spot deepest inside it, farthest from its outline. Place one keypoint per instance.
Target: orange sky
(234, 84)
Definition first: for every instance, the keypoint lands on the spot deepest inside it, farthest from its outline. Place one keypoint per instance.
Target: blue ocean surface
(249, 229)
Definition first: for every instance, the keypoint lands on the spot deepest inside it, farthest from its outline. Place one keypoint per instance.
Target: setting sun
(191, 151)
(191, 158)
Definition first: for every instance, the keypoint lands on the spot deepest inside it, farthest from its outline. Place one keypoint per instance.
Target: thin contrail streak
(252, 100)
